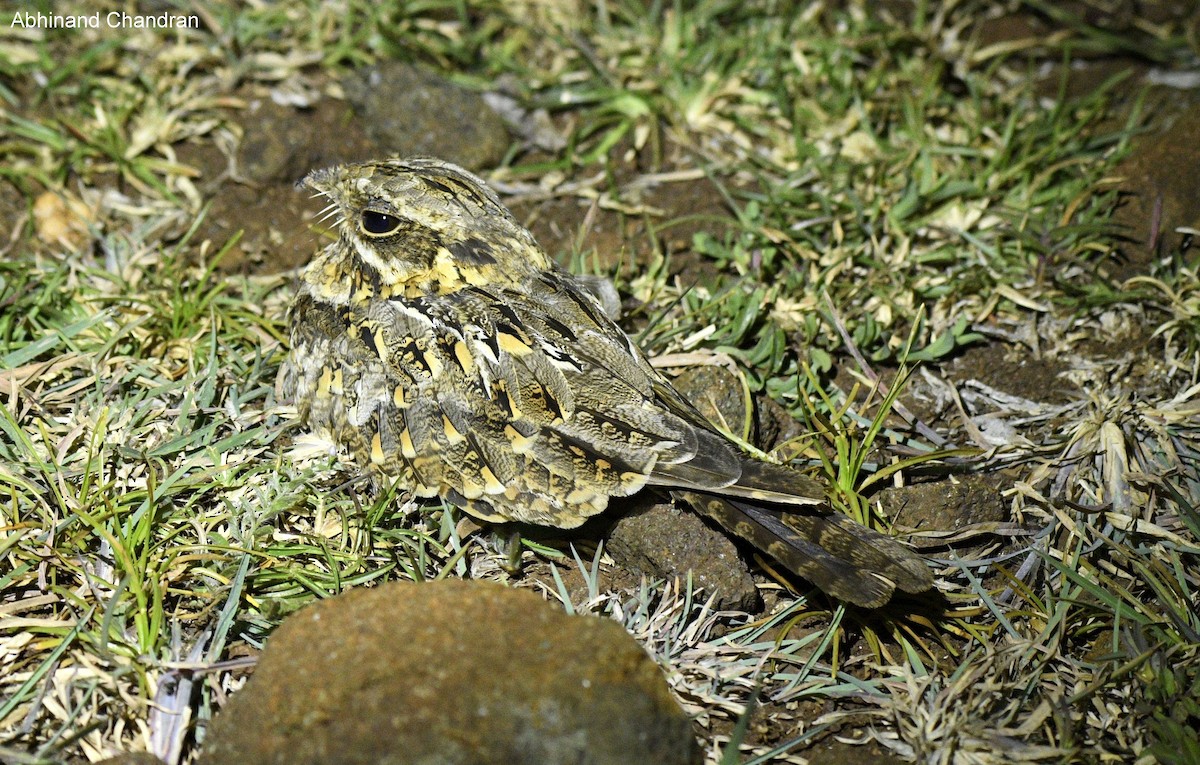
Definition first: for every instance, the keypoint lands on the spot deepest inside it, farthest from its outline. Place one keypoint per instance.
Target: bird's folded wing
(841, 557)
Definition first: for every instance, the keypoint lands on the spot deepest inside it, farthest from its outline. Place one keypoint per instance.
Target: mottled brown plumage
(438, 343)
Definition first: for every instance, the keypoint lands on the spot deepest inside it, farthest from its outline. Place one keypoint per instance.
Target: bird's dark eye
(378, 224)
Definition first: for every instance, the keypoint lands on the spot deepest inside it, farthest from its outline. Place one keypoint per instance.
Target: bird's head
(422, 222)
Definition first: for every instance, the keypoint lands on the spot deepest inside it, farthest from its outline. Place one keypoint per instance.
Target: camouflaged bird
(437, 342)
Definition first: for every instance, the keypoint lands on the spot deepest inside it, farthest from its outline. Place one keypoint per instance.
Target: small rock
(716, 392)
(949, 504)
(660, 541)
(412, 111)
(719, 396)
(453, 673)
(276, 144)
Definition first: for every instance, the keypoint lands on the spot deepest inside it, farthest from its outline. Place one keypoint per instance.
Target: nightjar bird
(440, 344)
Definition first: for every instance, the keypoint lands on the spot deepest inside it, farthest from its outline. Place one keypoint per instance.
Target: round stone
(452, 673)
